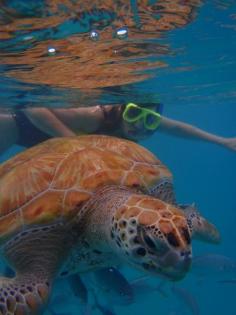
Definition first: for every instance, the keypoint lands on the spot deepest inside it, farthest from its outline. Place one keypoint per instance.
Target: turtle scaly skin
(77, 204)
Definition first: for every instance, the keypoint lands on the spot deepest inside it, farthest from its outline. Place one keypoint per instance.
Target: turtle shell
(52, 180)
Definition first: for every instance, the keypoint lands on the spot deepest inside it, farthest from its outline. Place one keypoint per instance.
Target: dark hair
(112, 117)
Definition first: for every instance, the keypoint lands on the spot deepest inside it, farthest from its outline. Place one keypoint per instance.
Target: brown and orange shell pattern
(52, 180)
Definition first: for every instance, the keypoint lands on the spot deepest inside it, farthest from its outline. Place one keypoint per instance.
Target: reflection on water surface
(56, 52)
(50, 43)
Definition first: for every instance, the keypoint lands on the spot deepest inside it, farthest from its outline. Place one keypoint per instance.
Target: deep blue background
(199, 87)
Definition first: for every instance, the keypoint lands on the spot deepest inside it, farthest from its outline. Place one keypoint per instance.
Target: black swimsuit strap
(28, 134)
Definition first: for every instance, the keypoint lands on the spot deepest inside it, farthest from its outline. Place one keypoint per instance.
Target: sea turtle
(76, 204)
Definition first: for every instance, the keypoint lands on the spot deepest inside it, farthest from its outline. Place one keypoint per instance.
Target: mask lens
(132, 113)
(152, 121)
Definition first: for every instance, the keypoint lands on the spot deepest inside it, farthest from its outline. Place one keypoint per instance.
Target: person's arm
(46, 121)
(185, 130)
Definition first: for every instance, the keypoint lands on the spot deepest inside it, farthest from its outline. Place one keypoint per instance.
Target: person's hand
(229, 143)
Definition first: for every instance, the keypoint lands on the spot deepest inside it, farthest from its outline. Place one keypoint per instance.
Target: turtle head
(153, 236)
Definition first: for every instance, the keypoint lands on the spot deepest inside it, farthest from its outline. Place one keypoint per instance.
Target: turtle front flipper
(200, 228)
(35, 255)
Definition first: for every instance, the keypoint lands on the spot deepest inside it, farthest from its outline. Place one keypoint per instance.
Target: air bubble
(94, 35)
(28, 37)
(122, 32)
(51, 50)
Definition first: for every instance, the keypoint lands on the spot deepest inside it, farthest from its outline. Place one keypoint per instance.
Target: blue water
(198, 87)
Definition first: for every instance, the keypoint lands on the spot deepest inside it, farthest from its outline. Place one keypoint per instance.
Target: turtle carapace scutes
(77, 204)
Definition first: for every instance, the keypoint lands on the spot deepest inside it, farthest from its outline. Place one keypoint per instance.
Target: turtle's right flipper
(199, 227)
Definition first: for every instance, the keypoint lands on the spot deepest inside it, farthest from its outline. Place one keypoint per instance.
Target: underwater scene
(117, 157)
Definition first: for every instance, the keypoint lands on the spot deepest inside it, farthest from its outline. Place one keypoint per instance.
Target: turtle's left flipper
(36, 255)
(199, 227)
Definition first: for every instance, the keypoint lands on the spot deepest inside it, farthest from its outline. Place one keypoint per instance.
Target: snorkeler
(29, 126)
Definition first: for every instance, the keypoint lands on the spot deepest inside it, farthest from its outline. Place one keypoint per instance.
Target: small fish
(78, 288)
(103, 309)
(187, 298)
(211, 264)
(118, 290)
(114, 285)
(60, 303)
(141, 288)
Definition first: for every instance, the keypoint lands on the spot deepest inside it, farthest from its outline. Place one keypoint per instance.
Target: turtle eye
(186, 235)
(154, 244)
(172, 240)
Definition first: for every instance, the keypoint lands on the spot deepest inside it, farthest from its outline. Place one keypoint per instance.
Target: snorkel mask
(134, 113)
